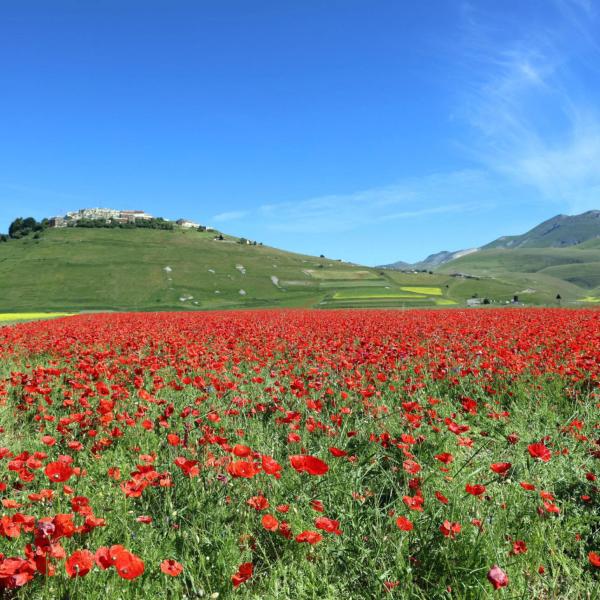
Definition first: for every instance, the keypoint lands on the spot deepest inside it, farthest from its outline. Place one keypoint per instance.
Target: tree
(21, 227)
(15, 228)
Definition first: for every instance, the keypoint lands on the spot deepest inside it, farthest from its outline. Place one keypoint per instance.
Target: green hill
(541, 273)
(76, 269)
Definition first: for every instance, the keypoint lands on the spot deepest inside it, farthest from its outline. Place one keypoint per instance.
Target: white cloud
(233, 215)
(438, 194)
(528, 101)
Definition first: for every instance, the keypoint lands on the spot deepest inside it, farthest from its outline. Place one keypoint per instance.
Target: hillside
(558, 232)
(76, 269)
(541, 273)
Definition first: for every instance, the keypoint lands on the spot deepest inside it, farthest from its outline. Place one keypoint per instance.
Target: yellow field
(367, 296)
(30, 316)
(444, 302)
(427, 291)
(592, 299)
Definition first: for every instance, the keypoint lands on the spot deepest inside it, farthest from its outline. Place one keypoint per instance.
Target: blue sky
(366, 130)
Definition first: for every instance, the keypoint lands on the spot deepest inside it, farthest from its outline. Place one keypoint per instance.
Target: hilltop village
(114, 216)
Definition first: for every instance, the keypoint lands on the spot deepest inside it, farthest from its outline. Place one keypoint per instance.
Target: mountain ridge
(560, 231)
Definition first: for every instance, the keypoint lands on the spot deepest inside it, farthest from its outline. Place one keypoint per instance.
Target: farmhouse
(186, 224)
(57, 222)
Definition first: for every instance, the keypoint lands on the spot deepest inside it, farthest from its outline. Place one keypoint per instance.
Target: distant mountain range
(561, 231)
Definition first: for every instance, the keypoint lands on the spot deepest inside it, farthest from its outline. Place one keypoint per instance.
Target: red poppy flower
(270, 466)
(441, 497)
(337, 452)
(594, 559)
(449, 529)
(551, 507)
(309, 537)
(242, 468)
(244, 573)
(58, 471)
(404, 524)
(412, 467)
(171, 567)
(475, 490)
(540, 451)
(270, 523)
(144, 519)
(500, 468)
(241, 451)
(190, 468)
(414, 502)
(445, 457)
(497, 577)
(519, 547)
(258, 503)
(328, 525)
(128, 565)
(102, 557)
(308, 464)
(79, 563)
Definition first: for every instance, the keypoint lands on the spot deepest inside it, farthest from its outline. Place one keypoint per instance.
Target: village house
(186, 224)
(95, 214)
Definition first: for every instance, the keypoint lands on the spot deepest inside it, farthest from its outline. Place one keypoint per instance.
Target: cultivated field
(302, 454)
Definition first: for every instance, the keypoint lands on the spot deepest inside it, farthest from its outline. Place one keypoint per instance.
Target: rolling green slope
(144, 269)
(540, 273)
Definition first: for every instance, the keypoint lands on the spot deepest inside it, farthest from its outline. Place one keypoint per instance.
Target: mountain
(440, 258)
(431, 262)
(399, 265)
(560, 231)
(560, 254)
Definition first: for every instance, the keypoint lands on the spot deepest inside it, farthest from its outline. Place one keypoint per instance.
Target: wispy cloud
(533, 117)
(438, 194)
(233, 215)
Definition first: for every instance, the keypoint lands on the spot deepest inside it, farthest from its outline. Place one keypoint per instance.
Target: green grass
(101, 269)
(79, 269)
(346, 274)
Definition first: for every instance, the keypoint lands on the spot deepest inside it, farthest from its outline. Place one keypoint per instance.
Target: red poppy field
(302, 454)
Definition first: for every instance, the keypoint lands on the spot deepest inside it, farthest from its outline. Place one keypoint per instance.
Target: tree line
(22, 227)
